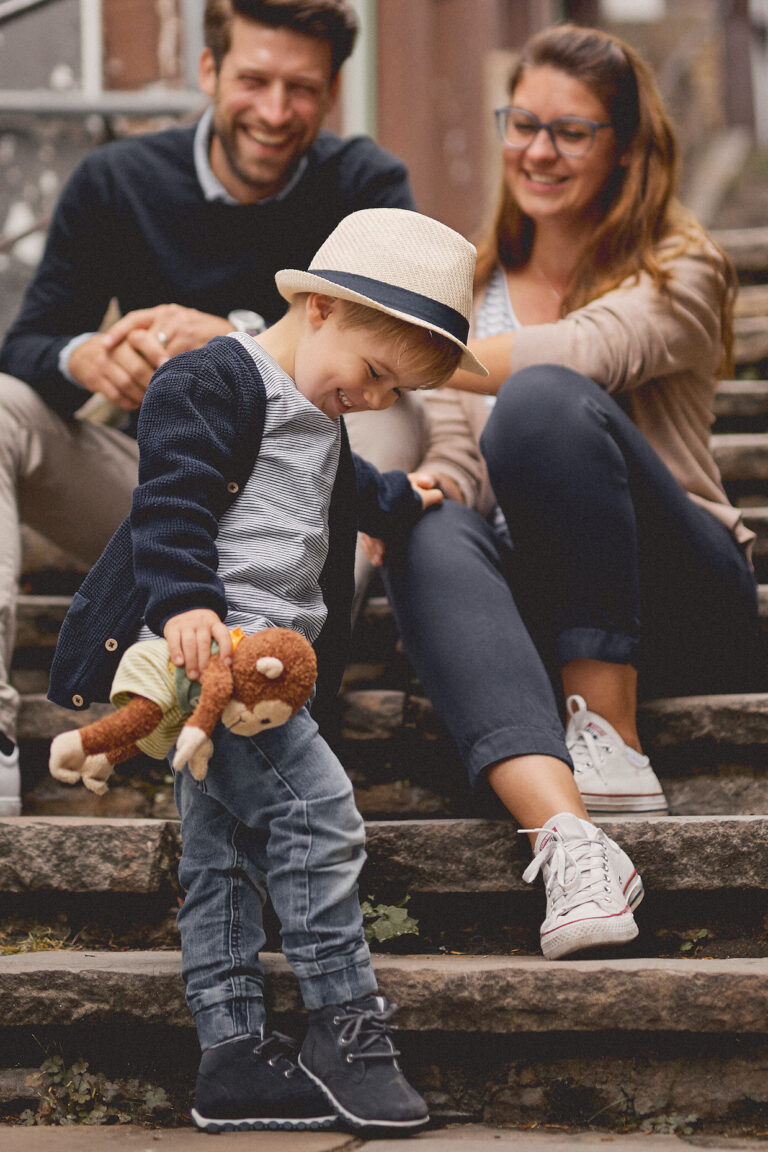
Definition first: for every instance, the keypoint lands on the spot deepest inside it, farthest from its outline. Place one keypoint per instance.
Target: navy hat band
(430, 312)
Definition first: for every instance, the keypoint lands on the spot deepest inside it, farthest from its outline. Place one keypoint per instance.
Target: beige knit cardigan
(660, 348)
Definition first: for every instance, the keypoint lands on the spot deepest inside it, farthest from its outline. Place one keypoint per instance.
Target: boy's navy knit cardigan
(200, 429)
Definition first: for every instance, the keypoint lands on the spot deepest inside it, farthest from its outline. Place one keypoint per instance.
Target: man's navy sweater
(132, 224)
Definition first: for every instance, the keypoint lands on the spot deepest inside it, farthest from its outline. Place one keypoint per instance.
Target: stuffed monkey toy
(271, 678)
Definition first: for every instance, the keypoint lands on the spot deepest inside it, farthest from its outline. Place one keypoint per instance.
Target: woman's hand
(373, 547)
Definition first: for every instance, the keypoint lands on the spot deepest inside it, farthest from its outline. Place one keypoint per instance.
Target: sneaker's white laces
(574, 875)
(587, 750)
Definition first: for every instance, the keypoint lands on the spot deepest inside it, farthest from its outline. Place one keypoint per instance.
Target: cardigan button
(77, 701)
(233, 487)
(111, 645)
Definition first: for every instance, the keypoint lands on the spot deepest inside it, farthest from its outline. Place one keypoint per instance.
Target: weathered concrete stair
(139, 857)
(748, 248)
(507, 1037)
(633, 1021)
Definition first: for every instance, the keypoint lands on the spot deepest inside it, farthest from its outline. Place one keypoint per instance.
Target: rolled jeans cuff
(234, 1009)
(596, 644)
(334, 982)
(512, 741)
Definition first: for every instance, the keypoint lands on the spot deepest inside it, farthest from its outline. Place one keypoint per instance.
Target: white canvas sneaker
(613, 779)
(591, 886)
(10, 783)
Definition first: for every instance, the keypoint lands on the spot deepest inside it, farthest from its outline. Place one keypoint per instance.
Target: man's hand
(189, 637)
(120, 373)
(163, 331)
(120, 363)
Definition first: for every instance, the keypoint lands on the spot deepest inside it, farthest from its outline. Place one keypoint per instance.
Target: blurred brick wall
(142, 43)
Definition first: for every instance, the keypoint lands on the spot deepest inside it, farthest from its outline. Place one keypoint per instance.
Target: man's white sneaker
(10, 783)
(613, 779)
(591, 885)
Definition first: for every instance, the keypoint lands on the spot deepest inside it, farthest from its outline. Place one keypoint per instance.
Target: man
(185, 229)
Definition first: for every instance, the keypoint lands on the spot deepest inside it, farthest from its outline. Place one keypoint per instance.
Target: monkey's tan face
(245, 721)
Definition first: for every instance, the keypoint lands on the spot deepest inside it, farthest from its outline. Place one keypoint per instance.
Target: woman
(613, 558)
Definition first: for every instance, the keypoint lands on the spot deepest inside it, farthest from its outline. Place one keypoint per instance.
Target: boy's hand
(425, 485)
(432, 480)
(189, 637)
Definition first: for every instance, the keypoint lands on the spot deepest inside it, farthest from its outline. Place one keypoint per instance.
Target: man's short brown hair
(330, 20)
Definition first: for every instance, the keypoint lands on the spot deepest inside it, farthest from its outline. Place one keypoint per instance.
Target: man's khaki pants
(71, 481)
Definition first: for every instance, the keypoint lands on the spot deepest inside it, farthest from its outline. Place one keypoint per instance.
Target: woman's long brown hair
(638, 204)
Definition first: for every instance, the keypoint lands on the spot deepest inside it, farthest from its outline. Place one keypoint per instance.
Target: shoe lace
(576, 874)
(367, 1030)
(588, 750)
(279, 1051)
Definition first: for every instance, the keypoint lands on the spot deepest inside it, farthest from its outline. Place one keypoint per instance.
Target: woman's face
(546, 185)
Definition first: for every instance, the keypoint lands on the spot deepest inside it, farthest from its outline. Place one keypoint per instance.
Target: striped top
(494, 314)
(273, 539)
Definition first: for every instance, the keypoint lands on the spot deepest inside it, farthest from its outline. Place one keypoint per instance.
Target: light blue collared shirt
(211, 186)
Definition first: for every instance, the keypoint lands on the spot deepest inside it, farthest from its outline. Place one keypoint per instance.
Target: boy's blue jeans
(274, 814)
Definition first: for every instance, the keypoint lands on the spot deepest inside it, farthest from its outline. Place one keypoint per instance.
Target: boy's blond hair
(421, 352)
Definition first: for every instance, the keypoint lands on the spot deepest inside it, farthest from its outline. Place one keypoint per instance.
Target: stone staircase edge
(498, 995)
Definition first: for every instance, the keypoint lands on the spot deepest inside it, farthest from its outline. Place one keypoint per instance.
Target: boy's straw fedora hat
(399, 262)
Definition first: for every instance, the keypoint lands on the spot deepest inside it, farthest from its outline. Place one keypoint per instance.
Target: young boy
(218, 541)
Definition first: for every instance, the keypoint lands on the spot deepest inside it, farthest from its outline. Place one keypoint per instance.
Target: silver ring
(162, 338)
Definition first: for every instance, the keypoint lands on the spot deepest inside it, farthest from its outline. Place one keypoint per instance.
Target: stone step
(750, 340)
(744, 398)
(756, 519)
(39, 719)
(752, 300)
(113, 883)
(683, 854)
(498, 995)
(38, 620)
(518, 1039)
(735, 720)
(741, 456)
(747, 247)
(396, 726)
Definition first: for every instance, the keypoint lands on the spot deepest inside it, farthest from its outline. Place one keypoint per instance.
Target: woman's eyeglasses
(570, 135)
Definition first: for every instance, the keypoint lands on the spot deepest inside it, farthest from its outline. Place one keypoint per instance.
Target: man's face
(270, 97)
